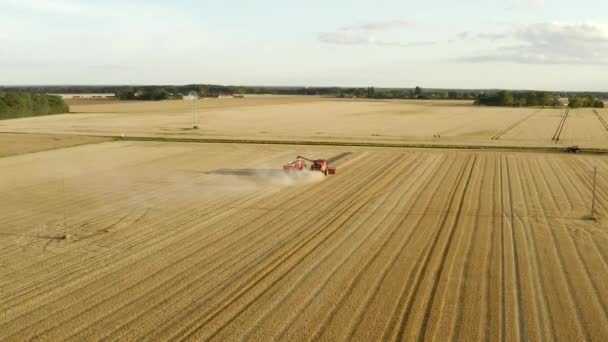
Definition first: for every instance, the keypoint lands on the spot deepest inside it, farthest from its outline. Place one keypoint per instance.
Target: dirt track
(133, 240)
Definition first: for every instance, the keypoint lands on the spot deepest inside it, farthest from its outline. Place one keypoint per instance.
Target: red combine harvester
(573, 149)
(299, 164)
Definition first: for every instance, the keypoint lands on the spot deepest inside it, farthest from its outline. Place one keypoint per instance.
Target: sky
(509, 44)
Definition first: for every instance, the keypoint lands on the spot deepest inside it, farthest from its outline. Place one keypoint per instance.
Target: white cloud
(491, 36)
(53, 6)
(525, 4)
(383, 25)
(551, 43)
(345, 37)
(466, 35)
(366, 34)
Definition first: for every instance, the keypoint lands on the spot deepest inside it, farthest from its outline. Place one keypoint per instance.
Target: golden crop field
(300, 118)
(130, 240)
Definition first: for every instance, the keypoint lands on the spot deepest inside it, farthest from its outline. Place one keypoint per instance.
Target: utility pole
(593, 194)
(194, 125)
(65, 205)
(194, 98)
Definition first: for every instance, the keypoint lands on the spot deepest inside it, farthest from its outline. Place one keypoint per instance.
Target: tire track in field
(546, 329)
(330, 318)
(80, 202)
(173, 231)
(284, 333)
(141, 181)
(125, 168)
(189, 242)
(283, 213)
(190, 331)
(261, 258)
(421, 268)
(563, 282)
(514, 258)
(448, 246)
(590, 239)
(494, 287)
(584, 174)
(445, 301)
(300, 230)
(545, 274)
(560, 126)
(68, 298)
(322, 285)
(498, 135)
(475, 243)
(588, 286)
(602, 121)
(131, 240)
(484, 327)
(583, 199)
(76, 270)
(363, 312)
(405, 297)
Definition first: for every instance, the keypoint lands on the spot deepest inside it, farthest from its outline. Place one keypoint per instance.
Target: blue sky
(531, 44)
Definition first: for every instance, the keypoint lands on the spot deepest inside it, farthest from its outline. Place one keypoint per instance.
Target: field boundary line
(490, 148)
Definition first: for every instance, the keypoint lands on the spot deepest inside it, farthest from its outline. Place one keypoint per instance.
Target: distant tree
(40, 104)
(4, 108)
(505, 98)
(15, 105)
(126, 94)
(585, 101)
(371, 92)
(468, 96)
(418, 91)
(154, 94)
(520, 98)
(453, 95)
(532, 99)
(522, 102)
(57, 105)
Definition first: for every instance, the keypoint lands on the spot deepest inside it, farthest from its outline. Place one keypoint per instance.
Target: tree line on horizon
(585, 101)
(498, 98)
(481, 97)
(17, 105)
(535, 99)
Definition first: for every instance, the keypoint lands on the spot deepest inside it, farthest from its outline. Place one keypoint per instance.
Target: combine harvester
(299, 164)
(573, 149)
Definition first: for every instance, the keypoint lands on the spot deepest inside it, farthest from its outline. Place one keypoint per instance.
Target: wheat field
(149, 240)
(316, 119)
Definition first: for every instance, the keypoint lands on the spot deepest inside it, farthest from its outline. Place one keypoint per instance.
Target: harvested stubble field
(12, 144)
(129, 240)
(292, 118)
